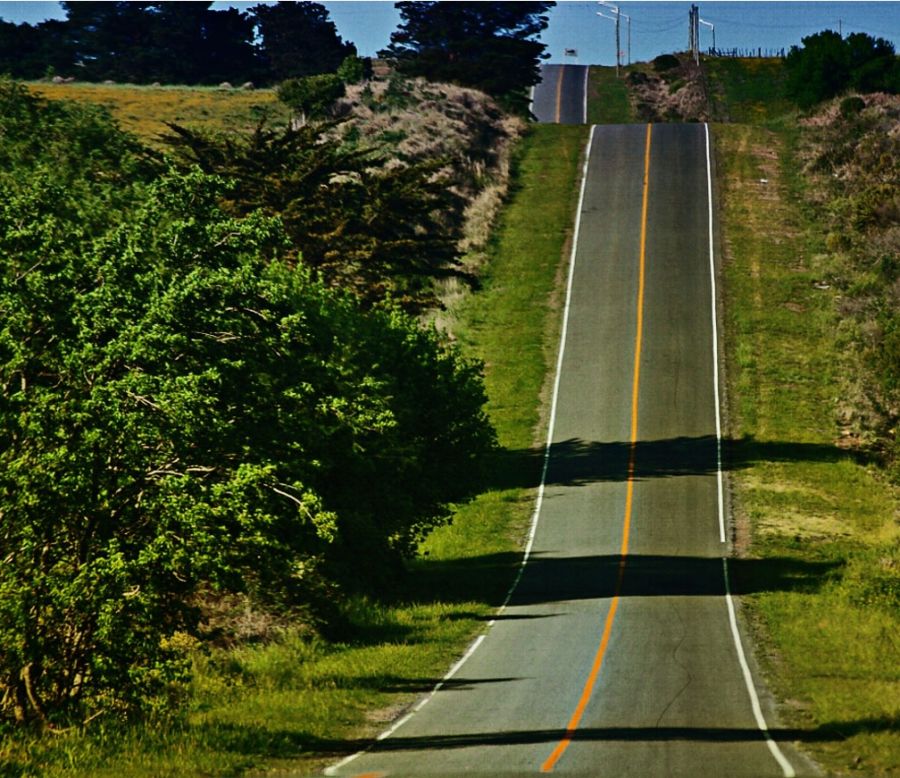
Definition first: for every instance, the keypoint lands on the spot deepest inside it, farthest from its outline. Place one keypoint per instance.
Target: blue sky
(656, 27)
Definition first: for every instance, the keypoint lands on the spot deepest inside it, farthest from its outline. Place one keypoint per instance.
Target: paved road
(616, 655)
(560, 97)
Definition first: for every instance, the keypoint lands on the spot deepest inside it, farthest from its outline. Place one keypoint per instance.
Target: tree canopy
(185, 409)
(827, 65)
(379, 230)
(491, 46)
(172, 42)
(299, 39)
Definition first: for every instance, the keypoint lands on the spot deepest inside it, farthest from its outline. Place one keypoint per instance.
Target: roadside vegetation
(146, 111)
(809, 224)
(608, 101)
(254, 504)
(269, 678)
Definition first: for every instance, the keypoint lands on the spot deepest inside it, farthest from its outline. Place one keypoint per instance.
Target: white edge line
(536, 515)
(748, 681)
(587, 69)
(776, 752)
(715, 341)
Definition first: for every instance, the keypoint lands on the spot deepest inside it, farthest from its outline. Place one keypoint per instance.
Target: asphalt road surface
(561, 96)
(618, 653)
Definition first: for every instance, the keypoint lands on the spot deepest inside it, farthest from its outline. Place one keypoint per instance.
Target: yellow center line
(559, 82)
(588, 689)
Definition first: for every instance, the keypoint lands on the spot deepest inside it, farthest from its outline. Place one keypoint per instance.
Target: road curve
(617, 653)
(561, 95)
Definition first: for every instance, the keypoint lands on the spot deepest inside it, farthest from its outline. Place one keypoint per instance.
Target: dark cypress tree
(299, 39)
(490, 46)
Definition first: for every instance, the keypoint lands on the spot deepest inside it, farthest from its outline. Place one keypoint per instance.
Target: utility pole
(694, 33)
(628, 19)
(615, 10)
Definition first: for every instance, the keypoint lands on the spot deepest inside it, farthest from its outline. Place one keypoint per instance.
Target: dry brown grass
(143, 110)
(414, 120)
(676, 95)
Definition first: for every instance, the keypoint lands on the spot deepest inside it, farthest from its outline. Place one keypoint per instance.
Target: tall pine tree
(299, 39)
(490, 46)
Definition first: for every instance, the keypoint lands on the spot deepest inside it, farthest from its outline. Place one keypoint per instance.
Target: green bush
(852, 106)
(184, 410)
(665, 62)
(355, 69)
(828, 64)
(313, 97)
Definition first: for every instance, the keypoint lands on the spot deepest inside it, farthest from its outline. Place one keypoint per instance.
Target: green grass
(608, 101)
(831, 648)
(747, 90)
(296, 704)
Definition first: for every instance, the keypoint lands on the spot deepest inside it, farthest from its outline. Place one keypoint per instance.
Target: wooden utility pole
(616, 19)
(694, 33)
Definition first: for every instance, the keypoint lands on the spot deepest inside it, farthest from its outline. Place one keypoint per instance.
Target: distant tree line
(175, 43)
(828, 64)
(490, 46)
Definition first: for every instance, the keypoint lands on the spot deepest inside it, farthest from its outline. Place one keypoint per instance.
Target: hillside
(809, 226)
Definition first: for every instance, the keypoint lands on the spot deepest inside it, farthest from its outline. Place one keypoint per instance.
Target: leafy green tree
(182, 407)
(28, 51)
(354, 69)
(491, 46)
(827, 65)
(193, 44)
(872, 64)
(299, 39)
(171, 42)
(312, 97)
(110, 40)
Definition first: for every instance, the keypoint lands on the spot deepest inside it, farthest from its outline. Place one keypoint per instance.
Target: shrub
(828, 64)
(355, 69)
(665, 62)
(852, 106)
(313, 97)
(184, 410)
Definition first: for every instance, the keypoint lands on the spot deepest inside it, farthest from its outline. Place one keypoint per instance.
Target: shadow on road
(556, 579)
(577, 462)
(258, 740)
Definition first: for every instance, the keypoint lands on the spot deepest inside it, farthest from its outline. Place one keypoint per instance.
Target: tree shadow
(256, 740)
(398, 684)
(549, 579)
(557, 579)
(577, 462)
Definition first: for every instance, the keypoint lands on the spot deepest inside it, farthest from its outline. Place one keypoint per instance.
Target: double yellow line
(591, 681)
(559, 83)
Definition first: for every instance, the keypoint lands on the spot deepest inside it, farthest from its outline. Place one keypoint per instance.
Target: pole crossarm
(712, 28)
(617, 20)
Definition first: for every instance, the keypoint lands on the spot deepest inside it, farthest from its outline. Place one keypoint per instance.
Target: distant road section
(561, 96)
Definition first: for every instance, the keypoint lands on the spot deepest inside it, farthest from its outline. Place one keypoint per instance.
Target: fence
(757, 52)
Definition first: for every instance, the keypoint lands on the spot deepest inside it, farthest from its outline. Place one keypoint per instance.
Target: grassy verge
(143, 110)
(608, 101)
(296, 704)
(830, 641)
(749, 91)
